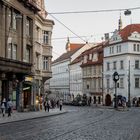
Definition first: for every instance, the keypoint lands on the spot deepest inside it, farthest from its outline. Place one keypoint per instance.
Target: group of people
(48, 104)
(6, 105)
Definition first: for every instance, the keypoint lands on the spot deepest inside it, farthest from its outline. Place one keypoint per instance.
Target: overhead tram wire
(93, 11)
(67, 27)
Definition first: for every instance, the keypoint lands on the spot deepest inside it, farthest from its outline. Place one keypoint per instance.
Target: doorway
(108, 100)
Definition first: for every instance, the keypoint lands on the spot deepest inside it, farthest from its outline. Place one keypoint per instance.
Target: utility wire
(66, 27)
(93, 11)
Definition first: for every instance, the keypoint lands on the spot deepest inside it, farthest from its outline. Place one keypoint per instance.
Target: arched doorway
(108, 100)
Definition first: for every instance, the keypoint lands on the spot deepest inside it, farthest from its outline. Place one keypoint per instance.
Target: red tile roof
(128, 30)
(67, 55)
(98, 49)
(74, 46)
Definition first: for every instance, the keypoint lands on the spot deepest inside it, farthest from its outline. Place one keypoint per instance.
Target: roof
(67, 55)
(128, 30)
(74, 46)
(76, 60)
(98, 49)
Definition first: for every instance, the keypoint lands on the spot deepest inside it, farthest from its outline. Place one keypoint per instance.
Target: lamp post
(115, 78)
(129, 103)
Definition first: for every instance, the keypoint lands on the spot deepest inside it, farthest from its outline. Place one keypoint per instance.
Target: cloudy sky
(87, 26)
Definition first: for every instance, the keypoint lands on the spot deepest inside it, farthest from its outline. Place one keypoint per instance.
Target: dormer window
(85, 59)
(90, 56)
(95, 57)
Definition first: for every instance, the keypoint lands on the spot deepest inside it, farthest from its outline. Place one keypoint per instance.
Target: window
(121, 65)
(136, 64)
(12, 51)
(9, 50)
(28, 27)
(45, 37)
(94, 83)
(119, 48)
(138, 48)
(107, 84)
(12, 18)
(134, 47)
(121, 82)
(27, 54)
(108, 66)
(14, 21)
(85, 59)
(90, 56)
(45, 63)
(112, 49)
(136, 82)
(87, 86)
(114, 65)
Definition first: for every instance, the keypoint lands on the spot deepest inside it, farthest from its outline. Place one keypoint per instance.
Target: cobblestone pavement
(18, 116)
(80, 123)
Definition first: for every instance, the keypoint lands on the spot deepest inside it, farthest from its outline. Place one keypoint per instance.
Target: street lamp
(115, 79)
(129, 103)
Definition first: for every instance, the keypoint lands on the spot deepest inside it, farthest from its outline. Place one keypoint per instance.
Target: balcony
(47, 50)
(8, 65)
(46, 74)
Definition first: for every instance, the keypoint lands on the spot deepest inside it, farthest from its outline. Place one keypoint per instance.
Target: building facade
(62, 71)
(122, 54)
(42, 52)
(17, 51)
(92, 68)
(75, 77)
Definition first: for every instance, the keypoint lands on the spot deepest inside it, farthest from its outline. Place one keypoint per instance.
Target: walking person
(9, 106)
(60, 104)
(3, 107)
(48, 105)
(45, 105)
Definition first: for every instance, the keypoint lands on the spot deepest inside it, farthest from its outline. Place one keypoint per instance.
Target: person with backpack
(9, 106)
(3, 107)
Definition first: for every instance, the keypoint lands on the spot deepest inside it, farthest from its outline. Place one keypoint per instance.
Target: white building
(60, 82)
(76, 77)
(122, 54)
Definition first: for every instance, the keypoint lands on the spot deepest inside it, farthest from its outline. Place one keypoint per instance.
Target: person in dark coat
(9, 107)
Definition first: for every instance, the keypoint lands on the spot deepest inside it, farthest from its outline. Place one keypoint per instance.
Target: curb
(35, 117)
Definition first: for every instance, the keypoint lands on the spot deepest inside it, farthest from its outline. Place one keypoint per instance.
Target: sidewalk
(19, 116)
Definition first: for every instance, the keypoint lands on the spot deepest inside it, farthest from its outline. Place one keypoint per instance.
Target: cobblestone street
(80, 123)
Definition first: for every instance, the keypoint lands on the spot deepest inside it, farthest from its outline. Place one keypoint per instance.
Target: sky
(90, 27)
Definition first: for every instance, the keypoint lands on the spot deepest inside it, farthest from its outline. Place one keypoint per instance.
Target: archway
(108, 100)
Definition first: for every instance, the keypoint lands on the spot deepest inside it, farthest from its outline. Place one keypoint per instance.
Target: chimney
(106, 36)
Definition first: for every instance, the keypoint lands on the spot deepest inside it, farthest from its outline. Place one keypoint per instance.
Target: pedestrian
(3, 107)
(45, 105)
(9, 106)
(60, 104)
(48, 105)
(57, 103)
